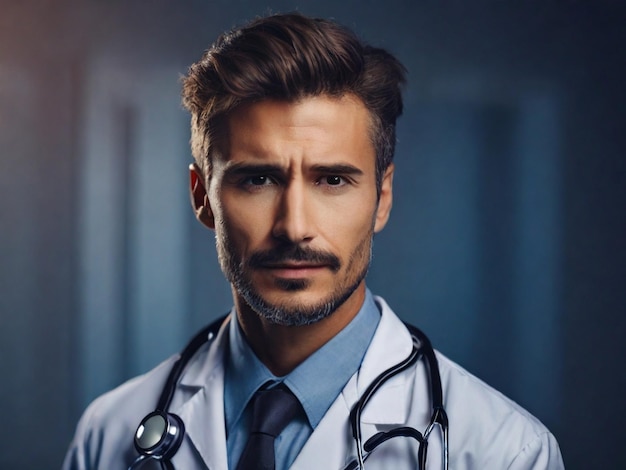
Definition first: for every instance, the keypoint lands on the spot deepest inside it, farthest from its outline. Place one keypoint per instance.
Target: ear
(199, 197)
(385, 200)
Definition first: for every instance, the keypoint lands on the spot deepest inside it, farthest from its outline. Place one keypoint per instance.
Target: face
(292, 198)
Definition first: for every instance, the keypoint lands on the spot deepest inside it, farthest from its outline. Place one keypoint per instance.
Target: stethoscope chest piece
(159, 435)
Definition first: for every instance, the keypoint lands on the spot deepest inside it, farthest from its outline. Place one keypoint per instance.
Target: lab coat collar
(201, 389)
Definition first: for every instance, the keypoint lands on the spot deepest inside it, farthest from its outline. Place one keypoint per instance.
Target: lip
(295, 270)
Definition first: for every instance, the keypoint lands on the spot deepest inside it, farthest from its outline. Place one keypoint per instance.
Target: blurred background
(506, 243)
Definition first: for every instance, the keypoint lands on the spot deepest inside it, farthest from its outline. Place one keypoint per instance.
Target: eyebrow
(242, 169)
(338, 169)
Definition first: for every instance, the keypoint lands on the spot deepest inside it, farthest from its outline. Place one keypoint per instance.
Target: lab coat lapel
(390, 345)
(326, 447)
(202, 407)
(331, 446)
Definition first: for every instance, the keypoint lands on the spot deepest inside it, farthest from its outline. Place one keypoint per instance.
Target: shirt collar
(314, 383)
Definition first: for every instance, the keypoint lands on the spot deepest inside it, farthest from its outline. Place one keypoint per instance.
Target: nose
(293, 221)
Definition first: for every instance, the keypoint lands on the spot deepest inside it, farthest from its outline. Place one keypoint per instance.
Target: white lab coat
(487, 430)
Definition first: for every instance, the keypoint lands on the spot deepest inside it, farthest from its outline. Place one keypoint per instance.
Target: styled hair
(290, 57)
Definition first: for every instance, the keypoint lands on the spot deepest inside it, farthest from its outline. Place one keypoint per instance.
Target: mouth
(295, 269)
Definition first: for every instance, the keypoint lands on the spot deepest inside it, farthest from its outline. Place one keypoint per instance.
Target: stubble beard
(238, 272)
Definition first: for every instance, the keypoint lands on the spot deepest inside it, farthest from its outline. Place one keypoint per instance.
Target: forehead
(316, 126)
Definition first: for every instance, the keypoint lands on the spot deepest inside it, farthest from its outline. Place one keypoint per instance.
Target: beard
(239, 274)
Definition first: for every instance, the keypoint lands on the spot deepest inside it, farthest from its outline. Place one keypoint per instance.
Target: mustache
(288, 253)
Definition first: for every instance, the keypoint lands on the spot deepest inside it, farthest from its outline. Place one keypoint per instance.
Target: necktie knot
(272, 410)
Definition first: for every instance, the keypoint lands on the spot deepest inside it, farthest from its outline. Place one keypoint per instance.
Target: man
(293, 132)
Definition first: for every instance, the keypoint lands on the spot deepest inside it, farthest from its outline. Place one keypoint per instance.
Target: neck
(283, 348)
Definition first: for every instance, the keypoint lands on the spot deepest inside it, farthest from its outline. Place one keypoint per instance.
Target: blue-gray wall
(506, 242)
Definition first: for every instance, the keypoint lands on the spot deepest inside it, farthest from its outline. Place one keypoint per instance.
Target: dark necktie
(272, 410)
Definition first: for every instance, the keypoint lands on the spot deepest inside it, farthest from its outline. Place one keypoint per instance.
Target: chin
(297, 307)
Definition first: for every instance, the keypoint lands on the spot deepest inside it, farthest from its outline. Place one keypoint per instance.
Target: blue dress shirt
(314, 382)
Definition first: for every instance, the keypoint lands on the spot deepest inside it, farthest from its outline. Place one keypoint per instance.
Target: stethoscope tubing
(421, 347)
(357, 409)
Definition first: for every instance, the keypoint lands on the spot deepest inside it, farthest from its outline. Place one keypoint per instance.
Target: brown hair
(288, 57)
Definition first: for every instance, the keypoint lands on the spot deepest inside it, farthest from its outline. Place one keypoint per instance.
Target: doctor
(293, 133)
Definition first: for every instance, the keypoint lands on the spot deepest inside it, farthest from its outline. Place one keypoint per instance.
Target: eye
(332, 180)
(258, 180)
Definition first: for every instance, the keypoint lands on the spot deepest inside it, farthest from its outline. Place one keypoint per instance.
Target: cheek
(245, 228)
(346, 230)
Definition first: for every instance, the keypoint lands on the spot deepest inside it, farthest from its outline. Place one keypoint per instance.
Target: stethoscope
(160, 433)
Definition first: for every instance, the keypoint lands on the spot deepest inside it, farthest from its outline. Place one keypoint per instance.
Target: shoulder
(104, 435)
(130, 399)
(488, 429)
